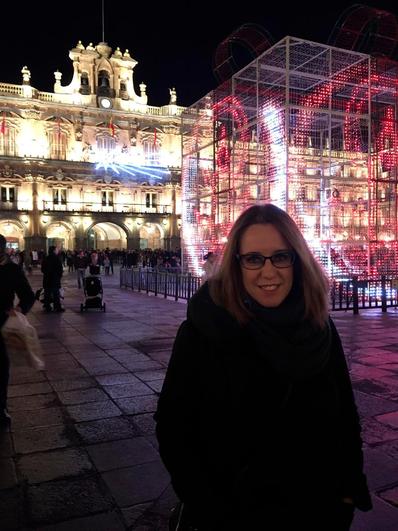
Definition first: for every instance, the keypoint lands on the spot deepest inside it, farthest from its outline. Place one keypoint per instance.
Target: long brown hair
(226, 288)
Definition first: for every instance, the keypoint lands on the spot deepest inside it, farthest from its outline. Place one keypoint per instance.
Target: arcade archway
(106, 234)
(151, 236)
(61, 235)
(13, 233)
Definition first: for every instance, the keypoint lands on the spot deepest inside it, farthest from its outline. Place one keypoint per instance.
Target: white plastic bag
(22, 341)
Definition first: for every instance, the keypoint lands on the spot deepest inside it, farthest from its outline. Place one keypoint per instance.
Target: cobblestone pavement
(82, 454)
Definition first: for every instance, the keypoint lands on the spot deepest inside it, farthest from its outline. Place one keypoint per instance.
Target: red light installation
(368, 29)
(312, 129)
(251, 37)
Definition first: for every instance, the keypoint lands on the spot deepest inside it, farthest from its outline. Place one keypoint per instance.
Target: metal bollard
(355, 295)
(383, 294)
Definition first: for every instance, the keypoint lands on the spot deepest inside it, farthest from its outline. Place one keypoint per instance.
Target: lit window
(106, 143)
(59, 196)
(58, 143)
(107, 198)
(8, 194)
(151, 200)
(7, 138)
(151, 152)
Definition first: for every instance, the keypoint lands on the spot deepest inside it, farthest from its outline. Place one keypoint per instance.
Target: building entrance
(13, 234)
(61, 235)
(106, 235)
(150, 236)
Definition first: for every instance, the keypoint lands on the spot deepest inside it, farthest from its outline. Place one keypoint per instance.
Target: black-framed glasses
(280, 260)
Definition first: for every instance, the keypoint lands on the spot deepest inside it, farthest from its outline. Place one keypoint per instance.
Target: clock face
(105, 103)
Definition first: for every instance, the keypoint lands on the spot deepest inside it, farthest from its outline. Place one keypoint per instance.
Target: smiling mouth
(269, 287)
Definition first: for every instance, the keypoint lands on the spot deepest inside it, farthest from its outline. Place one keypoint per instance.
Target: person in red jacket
(256, 421)
(12, 282)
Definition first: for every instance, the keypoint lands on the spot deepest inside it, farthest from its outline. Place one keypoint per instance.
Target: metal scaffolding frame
(311, 128)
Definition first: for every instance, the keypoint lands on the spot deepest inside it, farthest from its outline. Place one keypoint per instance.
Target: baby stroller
(93, 291)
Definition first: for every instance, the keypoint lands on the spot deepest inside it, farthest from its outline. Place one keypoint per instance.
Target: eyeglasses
(257, 260)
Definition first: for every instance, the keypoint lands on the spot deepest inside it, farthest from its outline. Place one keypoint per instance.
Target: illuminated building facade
(90, 165)
(312, 129)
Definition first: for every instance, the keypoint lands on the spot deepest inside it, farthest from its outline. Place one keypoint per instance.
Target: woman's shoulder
(188, 333)
(10, 268)
(334, 332)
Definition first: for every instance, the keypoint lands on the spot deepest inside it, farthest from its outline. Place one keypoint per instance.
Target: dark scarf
(296, 348)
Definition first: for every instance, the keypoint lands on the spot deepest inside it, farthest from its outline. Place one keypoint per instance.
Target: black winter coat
(52, 271)
(81, 262)
(13, 281)
(234, 434)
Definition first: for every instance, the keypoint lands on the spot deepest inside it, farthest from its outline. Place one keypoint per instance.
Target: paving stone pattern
(82, 454)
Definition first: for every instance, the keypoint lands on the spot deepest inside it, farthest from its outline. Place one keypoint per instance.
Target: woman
(256, 421)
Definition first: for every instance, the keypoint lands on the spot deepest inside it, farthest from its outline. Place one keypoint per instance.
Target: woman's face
(269, 286)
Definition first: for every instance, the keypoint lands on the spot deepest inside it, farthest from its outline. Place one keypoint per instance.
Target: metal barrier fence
(167, 283)
(358, 294)
(345, 295)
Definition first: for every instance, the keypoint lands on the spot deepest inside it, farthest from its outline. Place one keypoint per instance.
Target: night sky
(173, 42)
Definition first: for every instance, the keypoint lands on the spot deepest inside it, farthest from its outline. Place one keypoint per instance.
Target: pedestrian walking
(28, 262)
(70, 261)
(81, 263)
(256, 420)
(12, 282)
(52, 273)
(94, 265)
(107, 264)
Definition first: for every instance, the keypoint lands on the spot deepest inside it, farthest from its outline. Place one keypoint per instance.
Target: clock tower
(103, 78)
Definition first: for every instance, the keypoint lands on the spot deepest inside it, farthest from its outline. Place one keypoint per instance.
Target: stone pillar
(36, 229)
(36, 240)
(133, 242)
(133, 238)
(174, 233)
(35, 243)
(80, 242)
(173, 226)
(175, 243)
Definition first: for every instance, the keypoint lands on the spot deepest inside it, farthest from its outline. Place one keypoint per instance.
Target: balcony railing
(12, 90)
(7, 89)
(15, 205)
(97, 206)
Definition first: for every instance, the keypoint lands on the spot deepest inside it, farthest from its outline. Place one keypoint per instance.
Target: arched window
(7, 138)
(104, 88)
(151, 148)
(84, 84)
(103, 78)
(58, 142)
(106, 143)
(123, 91)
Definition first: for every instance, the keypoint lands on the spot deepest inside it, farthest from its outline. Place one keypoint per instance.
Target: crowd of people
(85, 262)
(154, 258)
